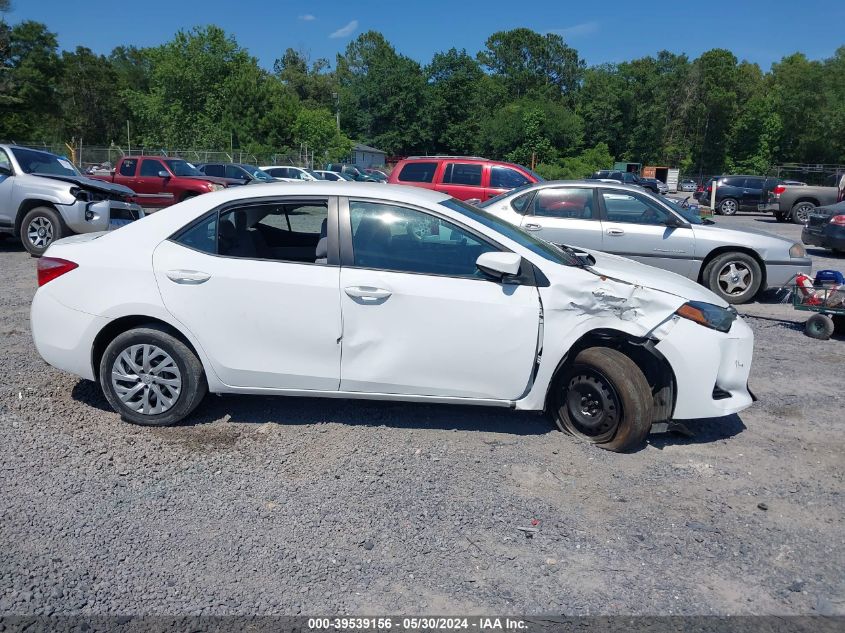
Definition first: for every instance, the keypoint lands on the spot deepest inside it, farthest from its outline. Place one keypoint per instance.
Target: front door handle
(533, 227)
(615, 232)
(187, 277)
(367, 293)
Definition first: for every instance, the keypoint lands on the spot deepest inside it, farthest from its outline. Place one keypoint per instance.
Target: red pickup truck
(159, 181)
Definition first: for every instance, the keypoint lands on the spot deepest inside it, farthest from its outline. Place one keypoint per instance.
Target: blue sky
(759, 31)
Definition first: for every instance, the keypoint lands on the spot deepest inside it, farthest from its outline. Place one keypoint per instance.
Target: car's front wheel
(41, 227)
(604, 399)
(736, 277)
(151, 377)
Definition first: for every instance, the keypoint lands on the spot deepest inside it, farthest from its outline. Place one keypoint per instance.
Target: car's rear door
(461, 180)
(637, 226)
(257, 285)
(565, 215)
(752, 192)
(419, 318)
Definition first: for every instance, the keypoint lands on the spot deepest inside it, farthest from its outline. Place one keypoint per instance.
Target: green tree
(455, 102)
(313, 83)
(91, 108)
(317, 130)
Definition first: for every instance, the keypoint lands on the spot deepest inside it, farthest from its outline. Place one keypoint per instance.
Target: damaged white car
(357, 290)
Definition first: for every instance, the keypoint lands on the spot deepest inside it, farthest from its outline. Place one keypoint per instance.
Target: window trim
(332, 256)
(347, 255)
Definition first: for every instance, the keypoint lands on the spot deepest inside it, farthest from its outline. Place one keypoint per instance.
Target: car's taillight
(838, 220)
(51, 267)
(779, 189)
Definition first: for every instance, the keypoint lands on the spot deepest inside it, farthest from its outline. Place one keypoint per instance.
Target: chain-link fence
(85, 157)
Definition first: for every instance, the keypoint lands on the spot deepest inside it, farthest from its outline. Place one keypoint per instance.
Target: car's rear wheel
(801, 212)
(736, 277)
(728, 206)
(150, 377)
(604, 399)
(41, 227)
(781, 217)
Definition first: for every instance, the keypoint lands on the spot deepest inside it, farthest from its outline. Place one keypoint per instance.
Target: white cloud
(577, 30)
(344, 31)
(307, 17)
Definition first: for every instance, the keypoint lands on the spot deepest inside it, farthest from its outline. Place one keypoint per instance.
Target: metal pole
(128, 142)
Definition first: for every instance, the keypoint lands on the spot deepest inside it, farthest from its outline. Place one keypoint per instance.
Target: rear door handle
(187, 277)
(533, 227)
(615, 232)
(367, 293)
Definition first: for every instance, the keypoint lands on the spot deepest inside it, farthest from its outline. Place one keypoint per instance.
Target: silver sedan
(626, 221)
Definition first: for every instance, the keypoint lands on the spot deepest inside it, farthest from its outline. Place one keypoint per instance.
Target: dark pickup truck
(159, 181)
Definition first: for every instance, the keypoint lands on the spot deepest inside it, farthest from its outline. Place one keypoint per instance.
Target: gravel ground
(284, 505)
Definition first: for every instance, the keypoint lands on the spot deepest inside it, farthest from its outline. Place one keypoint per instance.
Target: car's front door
(565, 215)
(637, 226)
(257, 285)
(419, 318)
(150, 187)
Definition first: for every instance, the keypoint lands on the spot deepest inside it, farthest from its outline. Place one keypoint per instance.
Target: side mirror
(498, 265)
(163, 174)
(673, 222)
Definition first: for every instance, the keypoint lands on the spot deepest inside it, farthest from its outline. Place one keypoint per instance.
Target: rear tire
(728, 206)
(151, 378)
(604, 399)
(781, 217)
(801, 212)
(819, 326)
(736, 277)
(41, 227)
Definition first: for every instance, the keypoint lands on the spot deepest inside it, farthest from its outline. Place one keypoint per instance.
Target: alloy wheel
(146, 379)
(728, 207)
(734, 278)
(40, 232)
(803, 211)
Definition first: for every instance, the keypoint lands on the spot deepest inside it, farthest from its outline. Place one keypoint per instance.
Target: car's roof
(465, 159)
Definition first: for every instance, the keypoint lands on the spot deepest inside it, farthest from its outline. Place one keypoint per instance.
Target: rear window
(418, 172)
(462, 174)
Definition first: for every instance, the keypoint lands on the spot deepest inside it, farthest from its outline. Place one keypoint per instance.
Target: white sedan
(358, 290)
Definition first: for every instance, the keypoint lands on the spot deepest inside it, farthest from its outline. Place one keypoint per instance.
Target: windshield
(35, 162)
(545, 250)
(181, 167)
(257, 173)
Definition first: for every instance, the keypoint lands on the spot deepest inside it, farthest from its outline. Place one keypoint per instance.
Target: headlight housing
(797, 250)
(217, 187)
(81, 194)
(708, 315)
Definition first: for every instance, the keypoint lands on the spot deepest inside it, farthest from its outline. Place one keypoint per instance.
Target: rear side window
(564, 202)
(734, 182)
(462, 174)
(127, 167)
(418, 172)
(202, 236)
(506, 178)
(213, 170)
(754, 183)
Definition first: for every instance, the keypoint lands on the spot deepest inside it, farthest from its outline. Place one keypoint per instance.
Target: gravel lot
(284, 505)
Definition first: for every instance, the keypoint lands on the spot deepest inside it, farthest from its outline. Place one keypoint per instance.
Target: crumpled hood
(632, 272)
(90, 183)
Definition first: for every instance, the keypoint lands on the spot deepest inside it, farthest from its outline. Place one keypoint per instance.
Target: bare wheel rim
(592, 404)
(40, 232)
(735, 278)
(802, 213)
(146, 379)
(728, 207)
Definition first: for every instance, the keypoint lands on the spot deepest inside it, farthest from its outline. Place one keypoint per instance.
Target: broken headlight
(708, 315)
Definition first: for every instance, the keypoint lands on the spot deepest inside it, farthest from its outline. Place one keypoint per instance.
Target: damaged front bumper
(711, 368)
(85, 216)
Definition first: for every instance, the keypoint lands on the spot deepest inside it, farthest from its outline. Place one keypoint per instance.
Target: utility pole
(336, 98)
(128, 142)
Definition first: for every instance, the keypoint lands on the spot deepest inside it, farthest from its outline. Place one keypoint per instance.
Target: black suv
(626, 178)
(735, 193)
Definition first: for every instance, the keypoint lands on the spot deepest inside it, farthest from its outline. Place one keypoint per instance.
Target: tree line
(526, 97)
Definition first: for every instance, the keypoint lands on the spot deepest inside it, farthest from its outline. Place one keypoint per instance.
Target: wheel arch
(721, 250)
(657, 370)
(28, 205)
(809, 199)
(118, 326)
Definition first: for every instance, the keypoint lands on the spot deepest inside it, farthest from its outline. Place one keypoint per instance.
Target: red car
(462, 177)
(159, 181)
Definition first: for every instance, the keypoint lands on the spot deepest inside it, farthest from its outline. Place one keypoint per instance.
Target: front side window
(4, 161)
(418, 172)
(213, 170)
(128, 167)
(506, 178)
(279, 231)
(233, 171)
(630, 208)
(462, 174)
(564, 202)
(390, 237)
(151, 167)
